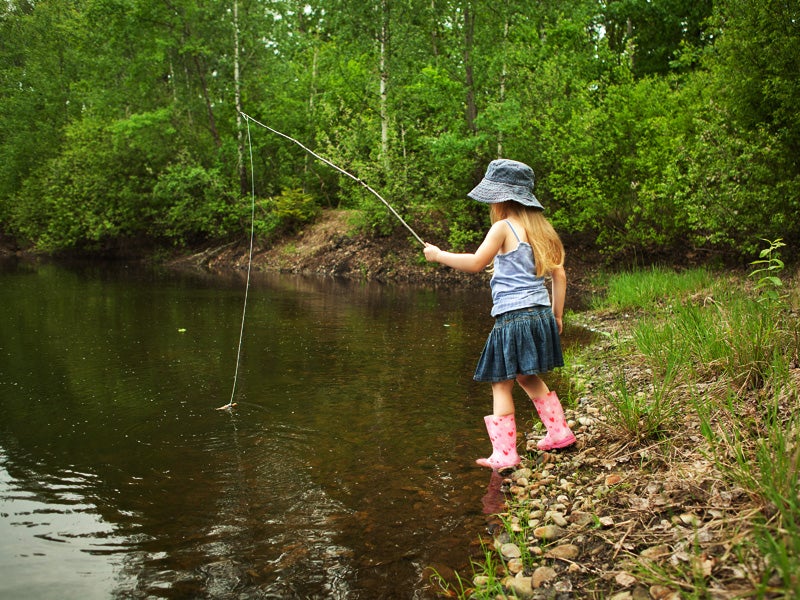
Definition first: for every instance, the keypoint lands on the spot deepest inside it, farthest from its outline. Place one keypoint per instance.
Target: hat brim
(492, 192)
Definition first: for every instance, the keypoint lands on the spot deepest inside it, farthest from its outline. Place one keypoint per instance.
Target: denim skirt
(522, 342)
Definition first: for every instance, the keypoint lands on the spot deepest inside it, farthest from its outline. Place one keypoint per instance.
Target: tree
(655, 32)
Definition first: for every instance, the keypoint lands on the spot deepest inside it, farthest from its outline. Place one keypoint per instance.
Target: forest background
(656, 128)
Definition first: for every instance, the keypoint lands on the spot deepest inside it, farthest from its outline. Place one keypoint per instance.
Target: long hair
(548, 251)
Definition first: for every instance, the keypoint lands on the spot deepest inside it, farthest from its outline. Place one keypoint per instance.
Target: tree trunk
(469, 32)
(503, 72)
(384, 35)
(212, 124)
(237, 92)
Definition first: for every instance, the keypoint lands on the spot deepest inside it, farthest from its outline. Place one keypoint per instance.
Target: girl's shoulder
(516, 230)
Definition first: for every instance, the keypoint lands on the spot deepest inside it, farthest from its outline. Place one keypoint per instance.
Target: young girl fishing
(525, 340)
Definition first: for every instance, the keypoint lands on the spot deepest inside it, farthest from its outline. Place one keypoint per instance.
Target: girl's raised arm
(470, 262)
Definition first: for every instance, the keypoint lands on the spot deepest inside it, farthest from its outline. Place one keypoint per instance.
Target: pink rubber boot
(559, 435)
(503, 434)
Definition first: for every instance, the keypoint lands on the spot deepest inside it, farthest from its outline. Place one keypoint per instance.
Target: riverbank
(333, 247)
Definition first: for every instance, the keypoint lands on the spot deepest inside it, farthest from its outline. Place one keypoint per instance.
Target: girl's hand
(431, 252)
(560, 323)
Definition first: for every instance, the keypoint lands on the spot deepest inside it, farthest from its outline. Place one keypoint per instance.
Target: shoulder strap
(514, 231)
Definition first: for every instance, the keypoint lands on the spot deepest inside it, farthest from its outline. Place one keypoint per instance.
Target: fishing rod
(342, 171)
(231, 404)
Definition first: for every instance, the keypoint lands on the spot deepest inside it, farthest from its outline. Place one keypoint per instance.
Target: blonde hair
(548, 251)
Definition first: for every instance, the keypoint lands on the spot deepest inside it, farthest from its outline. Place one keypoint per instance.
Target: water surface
(345, 471)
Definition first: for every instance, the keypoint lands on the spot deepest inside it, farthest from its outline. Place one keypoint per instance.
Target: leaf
(774, 280)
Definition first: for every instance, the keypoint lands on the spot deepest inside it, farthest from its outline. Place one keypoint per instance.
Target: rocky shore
(617, 517)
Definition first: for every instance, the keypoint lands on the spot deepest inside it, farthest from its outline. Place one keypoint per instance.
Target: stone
(519, 585)
(656, 552)
(690, 519)
(564, 551)
(558, 519)
(549, 532)
(640, 593)
(523, 473)
(660, 592)
(509, 550)
(515, 566)
(563, 587)
(625, 579)
(581, 519)
(542, 575)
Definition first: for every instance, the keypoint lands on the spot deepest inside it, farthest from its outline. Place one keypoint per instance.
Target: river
(346, 469)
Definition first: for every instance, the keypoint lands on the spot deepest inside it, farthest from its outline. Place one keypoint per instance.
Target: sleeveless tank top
(514, 284)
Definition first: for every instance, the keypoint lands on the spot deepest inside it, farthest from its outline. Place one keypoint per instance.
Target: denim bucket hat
(506, 180)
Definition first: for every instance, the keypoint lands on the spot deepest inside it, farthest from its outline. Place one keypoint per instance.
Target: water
(346, 470)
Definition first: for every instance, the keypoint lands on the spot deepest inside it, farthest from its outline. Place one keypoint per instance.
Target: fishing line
(330, 164)
(231, 403)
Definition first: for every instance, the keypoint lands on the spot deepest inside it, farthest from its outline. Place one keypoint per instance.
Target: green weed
(657, 287)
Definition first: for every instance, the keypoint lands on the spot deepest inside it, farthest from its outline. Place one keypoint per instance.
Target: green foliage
(642, 416)
(652, 289)
(285, 213)
(653, 127)
(192, 204)
(768, 272)
(93, 192)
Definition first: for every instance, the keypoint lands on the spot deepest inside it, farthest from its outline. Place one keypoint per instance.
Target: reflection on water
(345, 471)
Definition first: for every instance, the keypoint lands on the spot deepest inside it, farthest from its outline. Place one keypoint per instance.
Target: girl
(524, 341)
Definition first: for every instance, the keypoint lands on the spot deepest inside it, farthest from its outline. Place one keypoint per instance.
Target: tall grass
(726, 349)
(655, 287)
(739, 345)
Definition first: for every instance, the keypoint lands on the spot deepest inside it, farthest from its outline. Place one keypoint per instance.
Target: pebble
(520, 586)
(656, 552)
(515, 566)
(581, 519)
(549, 532)
(509, 550)
(564, 551)
(556, 517)
(542, 575)
(660, 592)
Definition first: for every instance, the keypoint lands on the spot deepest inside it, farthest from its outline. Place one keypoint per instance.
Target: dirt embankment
(333, 247)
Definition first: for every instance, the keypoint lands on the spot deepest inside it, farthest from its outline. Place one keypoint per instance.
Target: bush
(194, 204)
(285, 213)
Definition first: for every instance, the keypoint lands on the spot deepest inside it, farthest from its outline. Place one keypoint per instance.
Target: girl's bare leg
(533, 385)
(502, 399)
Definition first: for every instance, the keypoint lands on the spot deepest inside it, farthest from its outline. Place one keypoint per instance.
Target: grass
(720, 353)
(655, 287)
(740, 346)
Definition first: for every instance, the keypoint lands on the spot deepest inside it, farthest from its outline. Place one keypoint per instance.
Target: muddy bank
(333, 247)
